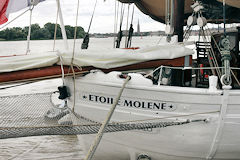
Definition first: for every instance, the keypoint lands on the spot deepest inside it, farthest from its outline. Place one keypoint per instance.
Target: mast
(179, 19)
(138, 28)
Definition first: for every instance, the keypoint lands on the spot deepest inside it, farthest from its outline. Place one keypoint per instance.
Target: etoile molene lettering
(130, 103)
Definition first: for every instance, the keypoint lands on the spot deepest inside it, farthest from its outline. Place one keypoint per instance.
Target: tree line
(38, 33)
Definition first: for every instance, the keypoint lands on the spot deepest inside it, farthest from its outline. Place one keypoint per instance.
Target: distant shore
(38, 33)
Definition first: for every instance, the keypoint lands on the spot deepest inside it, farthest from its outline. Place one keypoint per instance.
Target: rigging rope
(120, 33)
(235, 77)
(62, 69)
(126, 32)
(209, 52)
(29, 30)
(14, 19)
(211, 56)
(17, 85)
(55, 30)
(86, 38)
(115, 22)
(73, 55)
(130, 32)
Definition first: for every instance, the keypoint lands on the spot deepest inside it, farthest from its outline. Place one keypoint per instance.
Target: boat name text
(131, 103)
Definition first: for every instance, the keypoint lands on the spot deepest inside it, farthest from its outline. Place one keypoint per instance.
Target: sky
(103, 21)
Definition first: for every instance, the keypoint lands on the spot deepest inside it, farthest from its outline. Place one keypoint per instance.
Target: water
(48, 147)
(36, 47)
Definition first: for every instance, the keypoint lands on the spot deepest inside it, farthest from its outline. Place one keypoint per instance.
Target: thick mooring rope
(105, 124)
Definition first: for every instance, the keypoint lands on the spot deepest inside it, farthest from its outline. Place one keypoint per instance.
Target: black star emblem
(171, 107)
(84, 97)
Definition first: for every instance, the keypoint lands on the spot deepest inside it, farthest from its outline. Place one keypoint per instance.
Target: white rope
(75, 33)
(104, 125)
(168, 117)
(235, 77)
(160, 39)
(55, 31)
(73, 54)
(234, 68)
(213, 62)
(63, 30)
(61, 61)
(214, 56)
(29, 30)
(211, 53)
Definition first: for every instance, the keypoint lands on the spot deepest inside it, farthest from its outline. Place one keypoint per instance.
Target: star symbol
(84, 97)
(172, 107)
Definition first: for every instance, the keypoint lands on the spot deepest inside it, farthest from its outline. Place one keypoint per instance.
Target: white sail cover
(108, 58)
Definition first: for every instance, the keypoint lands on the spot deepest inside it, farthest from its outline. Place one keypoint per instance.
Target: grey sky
(103, 20)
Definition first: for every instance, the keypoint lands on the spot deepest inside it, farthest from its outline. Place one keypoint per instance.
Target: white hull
(218, 138)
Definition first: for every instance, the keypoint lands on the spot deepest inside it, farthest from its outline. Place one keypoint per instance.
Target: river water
(49, 147)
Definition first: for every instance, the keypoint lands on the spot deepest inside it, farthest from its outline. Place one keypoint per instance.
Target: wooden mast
(179, 19)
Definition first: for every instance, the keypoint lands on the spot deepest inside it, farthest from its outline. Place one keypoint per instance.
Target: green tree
(47, 32)
(18, 33)
(69, 31)
(42, 33)
(9, 33)
(51, 28)
(80, 32)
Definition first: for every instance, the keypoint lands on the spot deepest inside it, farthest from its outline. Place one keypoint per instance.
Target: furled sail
(213, 9)
(156, 8)
(233, 3)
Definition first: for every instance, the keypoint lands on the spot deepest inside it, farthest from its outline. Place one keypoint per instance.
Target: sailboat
(158, 84)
